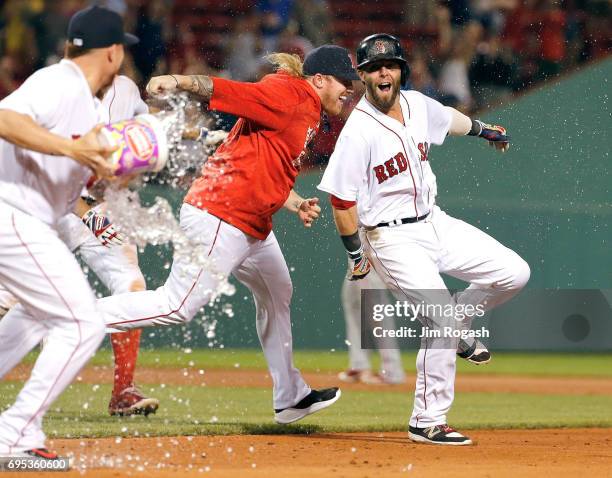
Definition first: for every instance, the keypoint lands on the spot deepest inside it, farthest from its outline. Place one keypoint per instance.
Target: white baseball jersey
(41, 185)
(383, 164)
(121, 101)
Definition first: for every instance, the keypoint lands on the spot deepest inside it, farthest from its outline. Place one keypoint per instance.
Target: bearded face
(382, 80)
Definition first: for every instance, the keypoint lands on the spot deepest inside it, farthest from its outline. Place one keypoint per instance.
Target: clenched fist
(161, 85)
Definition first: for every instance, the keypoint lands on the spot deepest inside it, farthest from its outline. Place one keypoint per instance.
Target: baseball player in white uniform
(360, 367)
(382, 184)
(42, 173)
(115, 264)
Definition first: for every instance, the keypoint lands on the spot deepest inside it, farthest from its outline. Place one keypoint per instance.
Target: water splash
(156, 225)
(191, 141)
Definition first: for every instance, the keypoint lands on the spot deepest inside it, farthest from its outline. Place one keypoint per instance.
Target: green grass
(504, 363)
(196, 410)
(189, 410)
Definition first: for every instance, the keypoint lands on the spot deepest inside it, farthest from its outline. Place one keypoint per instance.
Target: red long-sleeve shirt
(250, 175)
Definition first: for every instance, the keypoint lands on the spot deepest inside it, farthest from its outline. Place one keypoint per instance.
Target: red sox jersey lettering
(424, 150)
(392, 167)
(383, 164)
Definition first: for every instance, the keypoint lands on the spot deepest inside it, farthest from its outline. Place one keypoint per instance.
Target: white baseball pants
(7, 301)
(117, 266)
(56, 303)
(257, 264)
(409, 258)
(359, 359)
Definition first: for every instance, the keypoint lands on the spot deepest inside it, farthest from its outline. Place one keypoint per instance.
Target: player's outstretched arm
(23, 131)
(308, 210)
(462, 125)
(346, 223)
(200, 85)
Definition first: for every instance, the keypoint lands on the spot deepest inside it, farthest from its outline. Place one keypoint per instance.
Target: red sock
(125, 349)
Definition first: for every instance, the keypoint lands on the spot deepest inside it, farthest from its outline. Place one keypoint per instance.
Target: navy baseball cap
(330, 60)
(97, 27)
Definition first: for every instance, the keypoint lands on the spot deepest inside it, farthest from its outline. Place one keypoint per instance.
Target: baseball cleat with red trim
(315, 401)
(131, 401)
(477, 353)
(438, 435)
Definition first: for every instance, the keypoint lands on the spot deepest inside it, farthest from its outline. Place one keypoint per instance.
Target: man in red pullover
(228, 210)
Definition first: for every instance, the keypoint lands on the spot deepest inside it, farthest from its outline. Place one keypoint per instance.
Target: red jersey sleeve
(267, 102)
(341, 204)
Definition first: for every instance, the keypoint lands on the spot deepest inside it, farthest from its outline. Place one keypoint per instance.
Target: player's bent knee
(284, 292)
(137, 285)
(521, 273)
(128, 283)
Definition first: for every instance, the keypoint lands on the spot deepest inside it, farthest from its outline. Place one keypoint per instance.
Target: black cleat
(438, 435)
(313, 402)
(477, 353)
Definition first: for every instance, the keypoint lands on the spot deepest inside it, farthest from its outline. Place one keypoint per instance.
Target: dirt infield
(255, 379)
(499, 453)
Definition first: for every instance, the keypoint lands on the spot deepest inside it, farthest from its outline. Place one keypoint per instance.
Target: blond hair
(287, 62)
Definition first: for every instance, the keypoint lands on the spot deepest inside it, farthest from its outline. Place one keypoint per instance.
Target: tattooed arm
(199, 85)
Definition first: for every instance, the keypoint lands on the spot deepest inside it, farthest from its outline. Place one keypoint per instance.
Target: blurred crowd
(466, 53)
(474, 53)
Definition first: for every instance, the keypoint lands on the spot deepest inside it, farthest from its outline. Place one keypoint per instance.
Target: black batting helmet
(382, 46)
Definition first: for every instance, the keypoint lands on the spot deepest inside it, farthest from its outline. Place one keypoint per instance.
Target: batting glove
(359, 265)
(102, 228)
(496, 135)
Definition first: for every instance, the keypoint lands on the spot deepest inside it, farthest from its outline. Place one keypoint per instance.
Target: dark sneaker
(131, 401)
(477, 353)
(313, 402)
(438, 435)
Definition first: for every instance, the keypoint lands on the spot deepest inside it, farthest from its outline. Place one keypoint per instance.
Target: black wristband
(356, 255)
(352, 243)
(476, 128)
(89, 200)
